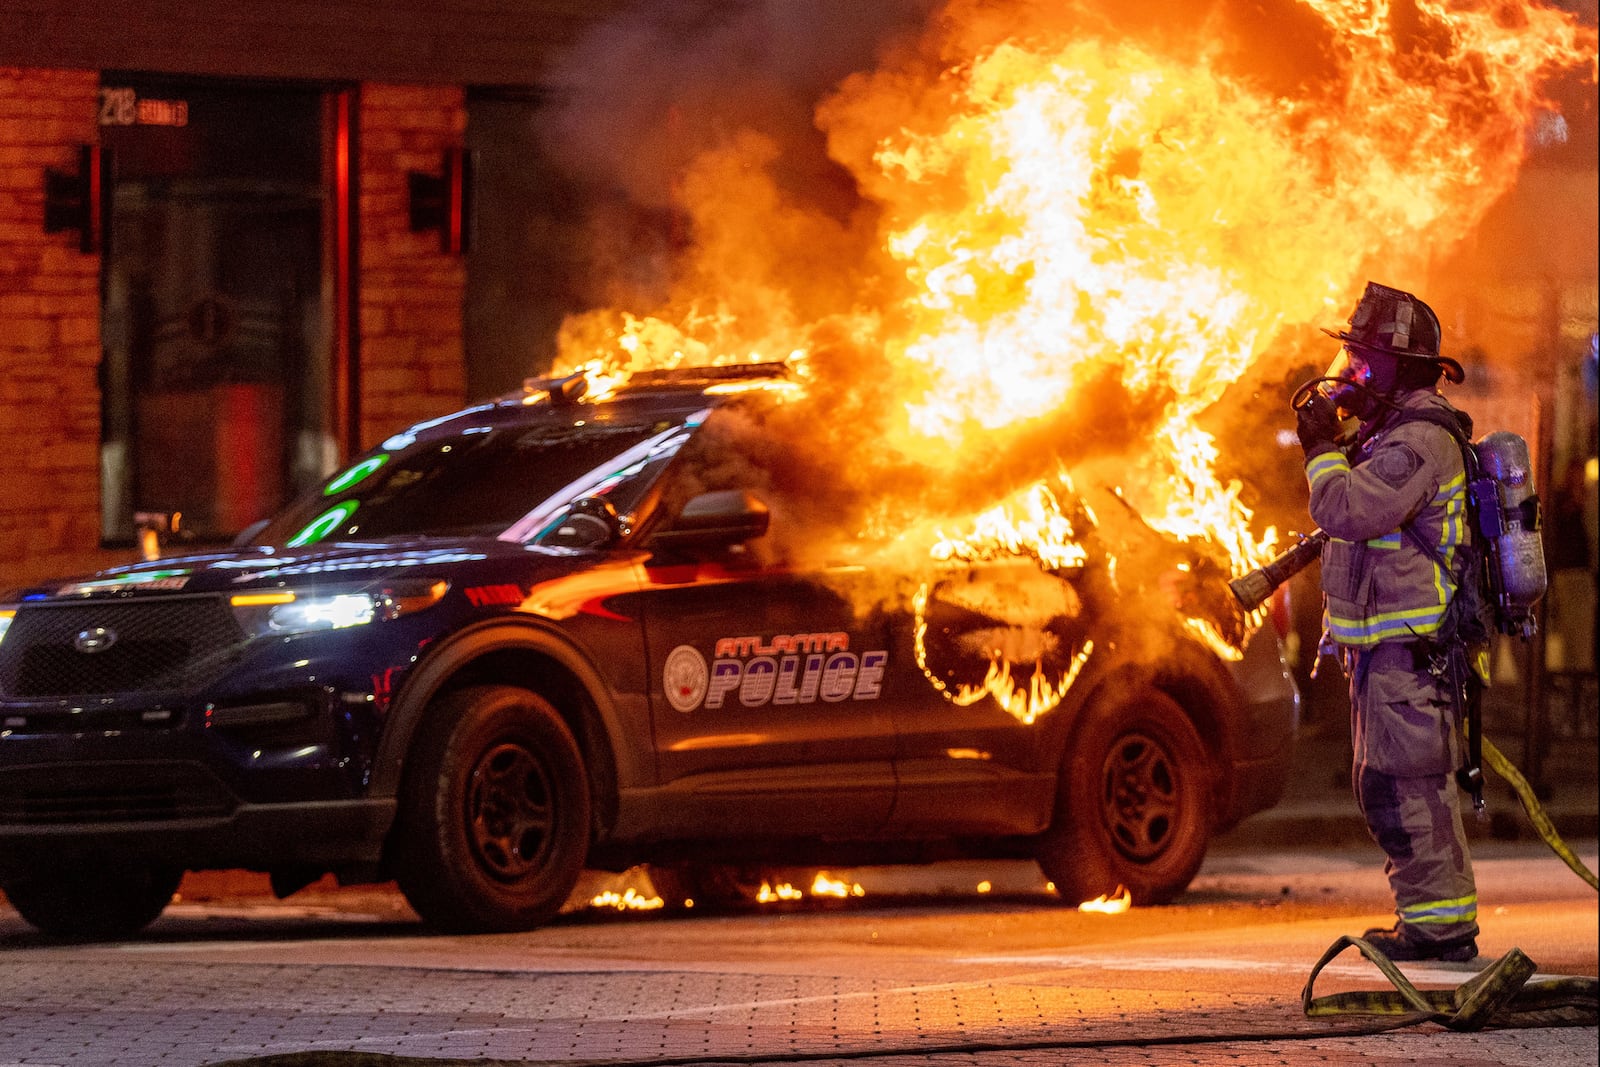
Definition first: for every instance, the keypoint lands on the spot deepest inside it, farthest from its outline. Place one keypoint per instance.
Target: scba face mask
(1357, 381)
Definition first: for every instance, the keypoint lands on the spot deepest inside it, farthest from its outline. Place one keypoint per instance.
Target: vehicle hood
(343, 564)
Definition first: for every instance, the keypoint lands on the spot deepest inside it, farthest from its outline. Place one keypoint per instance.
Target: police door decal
(787, 669)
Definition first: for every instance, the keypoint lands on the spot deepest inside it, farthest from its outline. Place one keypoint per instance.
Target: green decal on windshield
(323, 524)
(354, 475)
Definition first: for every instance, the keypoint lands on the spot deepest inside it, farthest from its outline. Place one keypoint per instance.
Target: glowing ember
(628, 900)
(985, 886)
(769, 894)
(1071, 241)
(1116, 904)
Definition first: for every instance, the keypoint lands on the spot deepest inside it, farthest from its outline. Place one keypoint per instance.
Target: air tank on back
(1517, 568)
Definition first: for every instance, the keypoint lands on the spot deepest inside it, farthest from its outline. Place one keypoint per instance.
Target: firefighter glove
(1319, 424)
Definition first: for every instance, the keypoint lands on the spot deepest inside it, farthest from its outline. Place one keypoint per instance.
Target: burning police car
(515, 642)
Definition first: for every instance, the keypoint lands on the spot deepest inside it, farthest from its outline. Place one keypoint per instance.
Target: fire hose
(1499, 995)
(1530, 803)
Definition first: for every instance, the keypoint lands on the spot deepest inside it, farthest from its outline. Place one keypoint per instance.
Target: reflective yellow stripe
(1412, 622)
(1458, 910)
(1453, 496)
(1324, 464)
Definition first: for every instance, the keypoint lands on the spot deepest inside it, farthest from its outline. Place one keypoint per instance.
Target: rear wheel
(1133, 805)
(92, 902)
(493, 828)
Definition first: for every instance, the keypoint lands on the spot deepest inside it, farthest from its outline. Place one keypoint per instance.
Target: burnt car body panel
(722, 708)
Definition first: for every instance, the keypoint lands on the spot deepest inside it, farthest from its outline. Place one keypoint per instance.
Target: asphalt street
(925, 968)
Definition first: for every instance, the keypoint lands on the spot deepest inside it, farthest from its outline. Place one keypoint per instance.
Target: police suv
(516, 643)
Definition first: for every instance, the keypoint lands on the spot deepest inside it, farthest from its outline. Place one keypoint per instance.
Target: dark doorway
(218, 379)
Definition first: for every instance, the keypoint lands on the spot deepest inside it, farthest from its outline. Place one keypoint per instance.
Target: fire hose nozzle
(1252, 589)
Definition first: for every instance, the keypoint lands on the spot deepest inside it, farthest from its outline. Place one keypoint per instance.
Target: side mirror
(243, 538)
(592, 523)
(713, 520)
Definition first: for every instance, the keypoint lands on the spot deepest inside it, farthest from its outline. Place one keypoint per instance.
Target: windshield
(508, 481)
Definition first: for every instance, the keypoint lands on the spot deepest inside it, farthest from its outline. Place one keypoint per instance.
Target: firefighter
(1393, 500)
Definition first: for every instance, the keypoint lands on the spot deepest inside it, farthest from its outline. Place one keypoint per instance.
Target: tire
(1133, 803)
(93, 903)
(493, 826)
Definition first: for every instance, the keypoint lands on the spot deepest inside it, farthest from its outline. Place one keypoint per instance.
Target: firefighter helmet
(1396, 323)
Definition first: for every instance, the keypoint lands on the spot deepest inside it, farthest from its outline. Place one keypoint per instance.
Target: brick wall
(465, 42)
(410, 292)
(49, 337)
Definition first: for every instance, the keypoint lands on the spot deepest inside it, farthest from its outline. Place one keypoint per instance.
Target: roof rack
(568, 389)
(725, 372)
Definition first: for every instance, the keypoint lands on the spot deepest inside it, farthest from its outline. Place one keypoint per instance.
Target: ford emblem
(94, 639)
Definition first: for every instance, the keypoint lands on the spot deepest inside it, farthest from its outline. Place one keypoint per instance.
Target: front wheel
(92, 902)
(1133, 805)
(493, 827)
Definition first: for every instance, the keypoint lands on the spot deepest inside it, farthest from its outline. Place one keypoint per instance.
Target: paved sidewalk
(892, 987)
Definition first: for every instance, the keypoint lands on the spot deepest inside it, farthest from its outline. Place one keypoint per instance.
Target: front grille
(166, 643)
(111, 792)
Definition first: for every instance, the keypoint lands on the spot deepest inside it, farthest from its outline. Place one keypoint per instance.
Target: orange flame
(1116, 904)
(1064, 228)
(1026, 703)
(629, 899)
(783, 891)
(825, 885)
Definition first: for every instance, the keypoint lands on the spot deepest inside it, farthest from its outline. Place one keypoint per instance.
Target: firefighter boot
(1394, 944)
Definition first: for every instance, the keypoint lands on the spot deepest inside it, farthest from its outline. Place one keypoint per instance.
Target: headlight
(286, 612)
(323, 612)
(6, 615)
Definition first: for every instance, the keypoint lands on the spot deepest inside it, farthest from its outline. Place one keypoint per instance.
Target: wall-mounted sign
(124, 107)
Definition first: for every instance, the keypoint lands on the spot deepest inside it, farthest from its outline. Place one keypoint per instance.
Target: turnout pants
(1408, 742)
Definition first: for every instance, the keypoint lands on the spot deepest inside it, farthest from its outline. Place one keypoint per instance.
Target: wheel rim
(1140, 797)
(510, 815)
